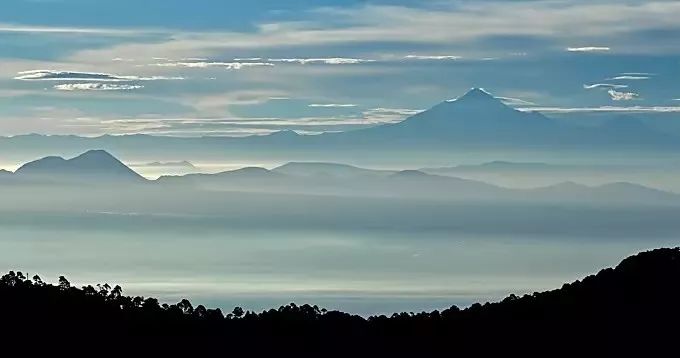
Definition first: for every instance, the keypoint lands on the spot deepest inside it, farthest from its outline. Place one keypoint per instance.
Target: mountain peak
(476, 94)
(97, 154)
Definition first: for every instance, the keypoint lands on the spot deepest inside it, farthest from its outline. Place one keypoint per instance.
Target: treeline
(621, 310)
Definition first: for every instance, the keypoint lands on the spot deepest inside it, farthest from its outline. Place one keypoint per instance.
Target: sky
(224, 67)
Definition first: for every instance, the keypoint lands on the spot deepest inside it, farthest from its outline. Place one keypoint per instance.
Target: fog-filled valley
(358, 239)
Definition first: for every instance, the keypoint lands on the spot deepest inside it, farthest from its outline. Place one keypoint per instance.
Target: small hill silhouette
(94, 165)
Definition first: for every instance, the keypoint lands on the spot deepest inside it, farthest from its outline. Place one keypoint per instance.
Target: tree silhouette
(237, 312)
(635, 305)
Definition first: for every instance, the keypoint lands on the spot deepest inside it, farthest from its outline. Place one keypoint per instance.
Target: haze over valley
(260, 237)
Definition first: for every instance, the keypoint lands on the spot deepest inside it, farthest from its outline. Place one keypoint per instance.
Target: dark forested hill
(619, 311)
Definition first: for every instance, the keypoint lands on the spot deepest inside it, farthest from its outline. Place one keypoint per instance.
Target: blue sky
(210, 67)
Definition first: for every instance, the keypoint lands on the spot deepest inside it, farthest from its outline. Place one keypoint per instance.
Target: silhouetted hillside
(618, 311)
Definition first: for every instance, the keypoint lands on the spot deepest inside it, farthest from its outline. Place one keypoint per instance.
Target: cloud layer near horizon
(336, 59)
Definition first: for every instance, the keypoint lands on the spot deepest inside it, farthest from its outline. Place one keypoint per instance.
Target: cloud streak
(622, 96)
(432, 57)
(515, 101)
(57, 75)
(11, 28)
(605, 86)
(604, 109)
(327, 61)
(628, 78)
(588, 49)
(96, 87)
(331, 105)
(207, 64)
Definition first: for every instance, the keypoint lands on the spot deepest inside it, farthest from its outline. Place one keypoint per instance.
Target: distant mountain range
(347, 180)
(475, 120)
(99, 168)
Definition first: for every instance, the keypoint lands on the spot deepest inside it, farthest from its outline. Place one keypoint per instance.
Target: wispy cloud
(588, 49)
(515, 101)
(388, 115)
(68, 30)
(629, 77)
(57, 75)
(432, 57)
(96, 87)
(327, 61)
(605, 86)
(206, 64)
(331, 105)
(622, 96)
(638, 74)
(632, 109)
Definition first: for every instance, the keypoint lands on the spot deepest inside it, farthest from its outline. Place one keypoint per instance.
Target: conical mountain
(476, 110)
(476, 118)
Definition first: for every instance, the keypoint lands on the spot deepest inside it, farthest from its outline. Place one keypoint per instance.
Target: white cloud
(96, 87)
(204, 64)
(397, 111)
(605, 86)
(57, 75)
(633, 109)
(388, 115)
(218, 104)
(67, 30)
(515, 101)
(629, 77)
(327, 61)
(638, 74)
(432, 57)
(331, 105)
(588, 49)
(622, 96)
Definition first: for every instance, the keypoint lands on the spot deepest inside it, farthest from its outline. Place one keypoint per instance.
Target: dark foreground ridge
(619, 311)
